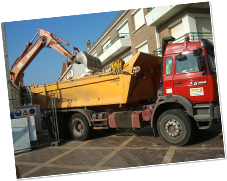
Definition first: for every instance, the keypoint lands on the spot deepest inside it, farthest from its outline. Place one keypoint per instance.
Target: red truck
(190, 91)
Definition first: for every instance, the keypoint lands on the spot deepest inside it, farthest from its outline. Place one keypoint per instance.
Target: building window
(168, 66)
(143, 47)
(123, 29)
(127, 57)
(138, 18)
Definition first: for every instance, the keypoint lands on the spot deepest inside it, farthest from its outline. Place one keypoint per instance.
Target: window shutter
(143, 48)
(139, 19)
(124, 29)
(127, 57)
(177, 31)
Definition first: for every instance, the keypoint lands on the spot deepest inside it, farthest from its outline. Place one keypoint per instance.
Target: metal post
(56, 118)
(53, 117)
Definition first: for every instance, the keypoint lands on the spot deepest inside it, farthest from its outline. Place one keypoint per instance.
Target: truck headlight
(100, 115)
(94, 116)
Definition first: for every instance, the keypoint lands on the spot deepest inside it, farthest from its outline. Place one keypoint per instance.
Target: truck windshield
(188, 65)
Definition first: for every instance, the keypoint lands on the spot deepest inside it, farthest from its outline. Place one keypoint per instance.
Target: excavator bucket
(89, 61)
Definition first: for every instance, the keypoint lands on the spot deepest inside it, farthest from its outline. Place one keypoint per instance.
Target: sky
(76, 30)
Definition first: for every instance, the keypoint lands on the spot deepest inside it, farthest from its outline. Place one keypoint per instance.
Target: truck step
(96, 120)
(202, 117)
(100, 127)
(202, 106)
(100, 123)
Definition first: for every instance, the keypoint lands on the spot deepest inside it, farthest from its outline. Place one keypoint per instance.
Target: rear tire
(79, 127)
(175, 127)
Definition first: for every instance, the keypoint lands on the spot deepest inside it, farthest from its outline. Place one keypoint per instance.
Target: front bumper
(207, 111)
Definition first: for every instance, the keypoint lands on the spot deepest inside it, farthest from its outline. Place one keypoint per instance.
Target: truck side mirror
(201, 63)
(181, 57)
(198, 52)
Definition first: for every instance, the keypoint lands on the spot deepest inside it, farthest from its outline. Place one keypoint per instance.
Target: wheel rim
(173, 128)
(78, 127)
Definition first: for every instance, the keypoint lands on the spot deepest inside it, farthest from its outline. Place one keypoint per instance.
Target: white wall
(78, 69)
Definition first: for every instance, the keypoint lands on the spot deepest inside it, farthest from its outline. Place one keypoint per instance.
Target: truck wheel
(175, 127)
(79, 127)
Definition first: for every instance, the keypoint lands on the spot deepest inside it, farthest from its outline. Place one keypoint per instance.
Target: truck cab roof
(180, 47)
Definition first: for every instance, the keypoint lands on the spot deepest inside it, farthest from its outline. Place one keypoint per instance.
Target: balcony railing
(149, 3)
(119, 36)
(193, 36)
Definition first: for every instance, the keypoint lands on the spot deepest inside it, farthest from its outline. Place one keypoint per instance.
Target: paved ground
(114, 149)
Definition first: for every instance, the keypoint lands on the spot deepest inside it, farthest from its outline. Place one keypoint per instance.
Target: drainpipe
(157, 36)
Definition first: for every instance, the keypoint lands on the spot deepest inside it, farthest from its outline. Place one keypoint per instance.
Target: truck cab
(189, 71)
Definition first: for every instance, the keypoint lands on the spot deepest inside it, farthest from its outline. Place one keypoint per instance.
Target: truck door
(188, 81)
(168, 75)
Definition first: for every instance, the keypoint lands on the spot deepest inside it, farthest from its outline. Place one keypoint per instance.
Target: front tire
(79, 127)
(175, 127)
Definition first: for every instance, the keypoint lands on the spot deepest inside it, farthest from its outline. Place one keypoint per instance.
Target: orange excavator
(48, 39)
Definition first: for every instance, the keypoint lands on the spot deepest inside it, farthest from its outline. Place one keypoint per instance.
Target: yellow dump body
(104, 89)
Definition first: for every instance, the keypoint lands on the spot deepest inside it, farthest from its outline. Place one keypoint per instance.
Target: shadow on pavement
(201, 136)
(204, 136)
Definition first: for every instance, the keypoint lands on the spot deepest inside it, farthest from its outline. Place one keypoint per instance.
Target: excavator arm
(50, 40)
